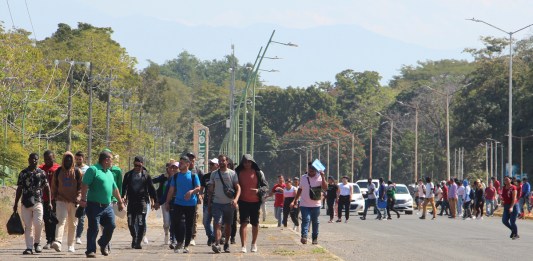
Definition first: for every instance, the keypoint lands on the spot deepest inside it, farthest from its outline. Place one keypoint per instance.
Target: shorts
(249, 212)
(222, 213)
(420, 200)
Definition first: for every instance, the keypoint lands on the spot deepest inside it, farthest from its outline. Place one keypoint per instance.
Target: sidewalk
(273, 243)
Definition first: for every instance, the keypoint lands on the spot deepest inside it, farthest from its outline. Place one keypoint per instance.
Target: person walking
(277, 192)
(331, 197)
(490, 199)
(96, 191)
(207, 217)
(288, 194)
(370, 200)
(185, 186)
(79, 159)
(498, 188)
(66, 189)
(162, 192)
(421, 193)
(195, 171)
(344, 197)
(49, 167)
(460, 197)
(382, 199)
(510, 208)
(524, 198)
(391, 199)
(452, 198)
(224, 190)
(479, 199)
(429, 199)
(310, 191)
(138, 191)
(253, 186)
(31, 184)
(466, 201)
(445, 206)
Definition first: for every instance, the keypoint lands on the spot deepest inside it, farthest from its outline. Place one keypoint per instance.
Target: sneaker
(78, 240)
(90, 255)
(315, 241)
(254, 248)
(192, 243)
(71, 249)
(303, 240)
(57, 246)
(209, 242)
(104, 250)
(38, 248)
(226, 248)
(243, 249)
(172, 245)
(167, 240)
(216, 248)
(422, 217)
(516, 236)
(178, 249)
(363, 218)
(28, 252)
(185, 250)
(346, 221)
(296, 228)
(145, 240)
(338, 221)
(47, 246)
(232, 241)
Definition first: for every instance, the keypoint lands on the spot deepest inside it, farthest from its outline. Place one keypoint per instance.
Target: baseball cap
(214, 160)
(190, 155)
(175, 163)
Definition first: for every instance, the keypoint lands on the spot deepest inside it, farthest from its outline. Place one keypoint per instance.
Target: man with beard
(138, 190)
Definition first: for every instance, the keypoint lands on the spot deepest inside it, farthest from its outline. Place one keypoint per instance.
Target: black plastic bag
(14, 225)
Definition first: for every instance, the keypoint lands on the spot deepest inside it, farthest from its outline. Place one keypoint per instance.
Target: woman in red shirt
(510, 208)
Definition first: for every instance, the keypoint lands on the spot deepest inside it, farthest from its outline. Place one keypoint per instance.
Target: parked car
(363, 184)
(358, 202)
(404, 200)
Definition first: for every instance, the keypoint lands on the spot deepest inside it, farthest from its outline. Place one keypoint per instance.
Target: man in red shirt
(498, 188)
(49, 167)
(510, 208)
(445, 206)
(277, 190)
(253, 187)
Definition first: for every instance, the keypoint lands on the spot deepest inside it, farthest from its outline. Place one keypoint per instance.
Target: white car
(358, 202)
(404, 200)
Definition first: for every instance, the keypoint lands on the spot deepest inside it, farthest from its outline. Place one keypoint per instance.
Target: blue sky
(334, 35)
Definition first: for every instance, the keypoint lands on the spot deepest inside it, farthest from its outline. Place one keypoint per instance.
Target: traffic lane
(409, 237)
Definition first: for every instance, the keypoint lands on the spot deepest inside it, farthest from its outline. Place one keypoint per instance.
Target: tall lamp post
(416, 135)
(390, 147)
(510, 137)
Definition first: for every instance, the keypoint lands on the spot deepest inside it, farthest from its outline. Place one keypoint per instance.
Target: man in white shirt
(429, 198)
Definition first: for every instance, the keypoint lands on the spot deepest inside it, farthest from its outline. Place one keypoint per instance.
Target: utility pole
(338, 160)
(108, 107)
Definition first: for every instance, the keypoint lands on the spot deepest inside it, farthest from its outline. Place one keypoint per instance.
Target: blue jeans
(310, 214)
(96, 216)
(81, 222)
(489, 204)
(278, 213)
(509, 218)
(208, 224)
(460, 205)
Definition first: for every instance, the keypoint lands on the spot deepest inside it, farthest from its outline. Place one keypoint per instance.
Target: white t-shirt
(371, 191)
(429, 190)
(289, 193)
(420, 192)
(344, 189)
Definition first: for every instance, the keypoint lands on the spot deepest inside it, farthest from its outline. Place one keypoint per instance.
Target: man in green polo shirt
(97, 190)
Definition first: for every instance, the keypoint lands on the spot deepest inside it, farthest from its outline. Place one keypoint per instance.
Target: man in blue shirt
(524, 198)
(185, 186)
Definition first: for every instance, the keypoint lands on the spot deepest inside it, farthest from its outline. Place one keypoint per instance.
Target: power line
(31, 22)
(11, 15)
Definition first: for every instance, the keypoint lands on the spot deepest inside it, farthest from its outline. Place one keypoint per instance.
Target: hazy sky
(334, 35)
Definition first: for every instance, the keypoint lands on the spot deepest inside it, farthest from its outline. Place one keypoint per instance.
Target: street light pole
(416, 137)
(510, 138)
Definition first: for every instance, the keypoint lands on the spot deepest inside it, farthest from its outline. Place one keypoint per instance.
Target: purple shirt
(452, 192)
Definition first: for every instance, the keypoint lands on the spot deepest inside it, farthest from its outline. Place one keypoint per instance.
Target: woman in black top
(331, 196)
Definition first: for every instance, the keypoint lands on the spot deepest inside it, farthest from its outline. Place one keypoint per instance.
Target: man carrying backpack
(138, 190)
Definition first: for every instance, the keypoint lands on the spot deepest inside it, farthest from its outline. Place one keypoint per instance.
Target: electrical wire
(11, 15)
(48, 87)
(31, 22)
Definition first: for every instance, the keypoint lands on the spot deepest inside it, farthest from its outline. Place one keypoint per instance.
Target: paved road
(415, 239)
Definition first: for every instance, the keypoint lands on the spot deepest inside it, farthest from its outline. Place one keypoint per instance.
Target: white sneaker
(178, 249)
(47, 246)
(145, 240)
(167, 240)
(57, 246)
(185, 250)
(296, 228)
(243, 250)
(192, 243)
(78, 240)
(71, 249)
(254, 248)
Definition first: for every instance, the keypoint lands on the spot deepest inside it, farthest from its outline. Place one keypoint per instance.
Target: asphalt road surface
(410, 238)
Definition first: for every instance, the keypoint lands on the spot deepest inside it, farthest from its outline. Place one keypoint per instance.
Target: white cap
(214, 161)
